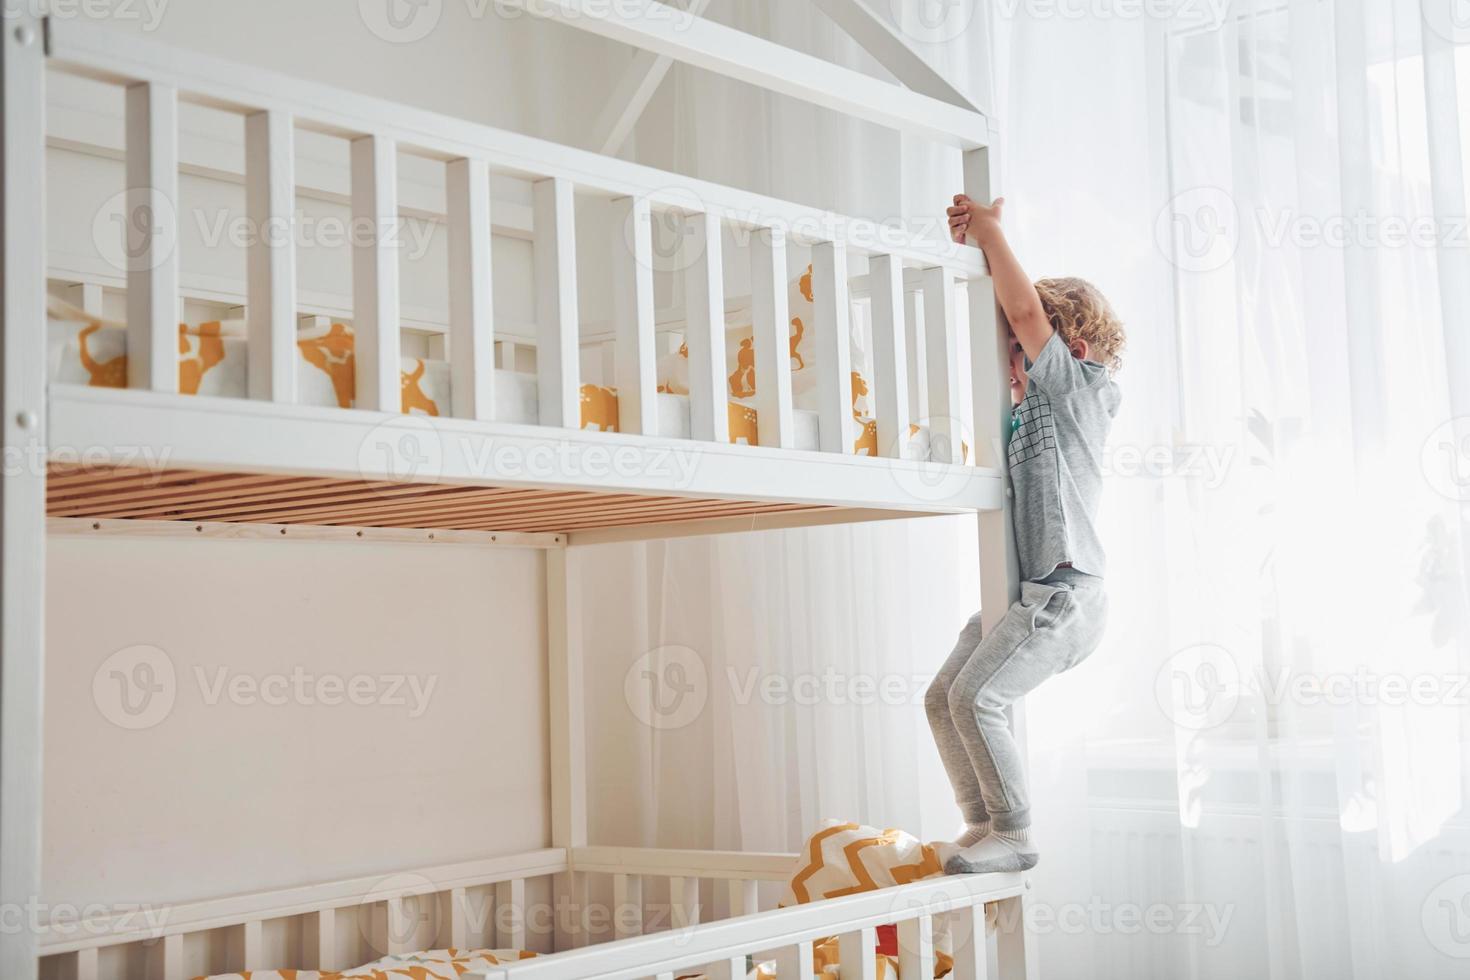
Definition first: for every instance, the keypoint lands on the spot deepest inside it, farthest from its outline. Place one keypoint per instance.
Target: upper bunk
(646, 419)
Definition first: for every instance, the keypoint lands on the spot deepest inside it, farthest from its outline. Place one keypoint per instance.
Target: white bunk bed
(373, 472)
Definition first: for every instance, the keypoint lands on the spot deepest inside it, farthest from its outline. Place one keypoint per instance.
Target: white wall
(241, 795)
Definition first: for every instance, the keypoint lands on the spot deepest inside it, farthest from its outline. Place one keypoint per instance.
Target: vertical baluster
(555, 257)
(942, 349)
(1015, 959)
(87, 296)
(169, 958)
(858, 952)
(152, 236)
(510, 914)
(744, 897)
(771, 316)
(796, 961)
(321, 940)
(270, 286)
(913, 312)
(471, 290)
(833, 326)
(459, 918)
(400, 930)
(683, 902)
(889, 365)
(85, 965)
(916, 947)
(732, 968)
(251, 944)
(627, 906)
(704, 294)
(967, 942)
(634, 367)
(375, 273)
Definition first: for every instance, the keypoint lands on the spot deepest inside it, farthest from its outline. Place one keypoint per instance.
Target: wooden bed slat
(191, 496)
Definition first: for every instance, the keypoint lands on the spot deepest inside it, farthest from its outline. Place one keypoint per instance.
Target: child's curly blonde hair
(1078, 311)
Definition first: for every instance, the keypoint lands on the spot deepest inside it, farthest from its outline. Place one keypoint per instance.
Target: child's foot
(999, 851)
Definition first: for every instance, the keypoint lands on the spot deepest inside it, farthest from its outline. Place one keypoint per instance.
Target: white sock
(1000, 850)
(972, 834)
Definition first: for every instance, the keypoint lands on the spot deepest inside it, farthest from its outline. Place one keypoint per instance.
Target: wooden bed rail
(157, 78)
(720, 949)
(498, 905)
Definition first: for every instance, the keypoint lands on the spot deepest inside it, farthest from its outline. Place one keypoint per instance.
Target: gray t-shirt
(1055, 456)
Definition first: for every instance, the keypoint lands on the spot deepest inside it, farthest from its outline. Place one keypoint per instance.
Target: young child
(1065, 342)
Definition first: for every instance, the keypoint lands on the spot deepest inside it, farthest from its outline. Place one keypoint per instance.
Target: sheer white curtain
(1263, 771)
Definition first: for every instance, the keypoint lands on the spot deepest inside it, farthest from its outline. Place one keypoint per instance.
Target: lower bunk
(855, 902)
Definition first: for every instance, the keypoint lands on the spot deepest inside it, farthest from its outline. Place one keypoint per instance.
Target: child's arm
(1013, 288)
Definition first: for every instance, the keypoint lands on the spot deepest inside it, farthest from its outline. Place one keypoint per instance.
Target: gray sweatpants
(1054, 626)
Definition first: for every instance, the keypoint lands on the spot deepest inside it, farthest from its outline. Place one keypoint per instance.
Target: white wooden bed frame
(268, 440)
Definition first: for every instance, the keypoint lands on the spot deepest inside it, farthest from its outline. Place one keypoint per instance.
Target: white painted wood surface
(890, 361)
(683, 902)
(941, 349)
(833, 327)
(632, 93)
(270, 303)
(23, 430)
(627, 905)
(865, 21)
(94, 50)
(1016, 959)
(744, 897)
(459, 917)
(375, 273)
(320, 940)
(510, 914)
(169, 958)
(557, 370)
(251, 934)
(635, 354)
(151, 236)
(471, 291)
(771, 333)
(916, 946)
(858, 950)
(666, 30)
(241, 435)
(795, 959)
(968, 943)
(704, 292)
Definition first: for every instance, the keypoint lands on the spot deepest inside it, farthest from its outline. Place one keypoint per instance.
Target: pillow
(848, 858)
